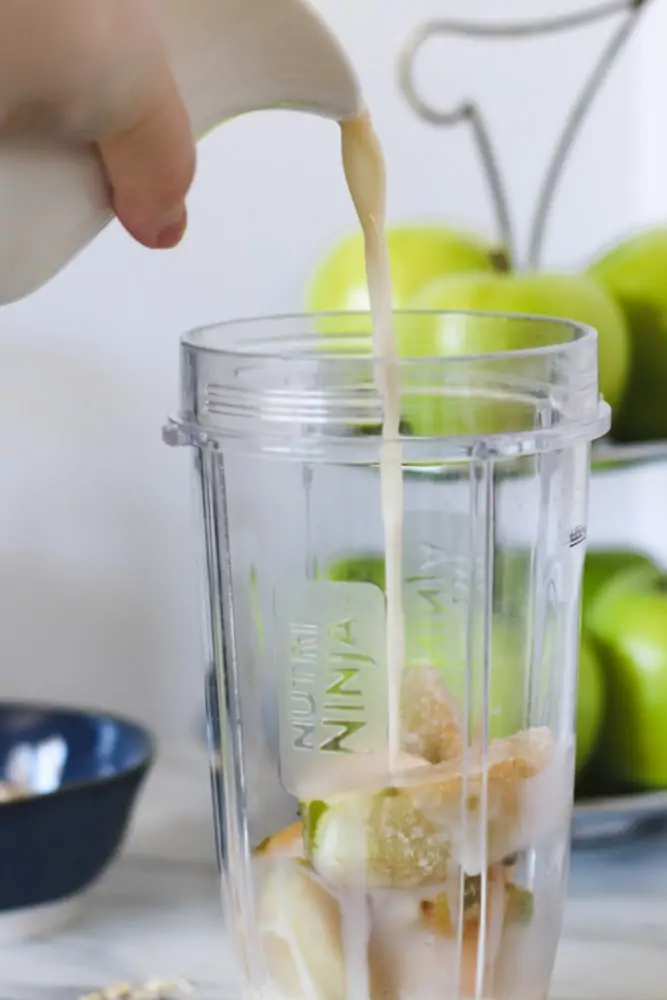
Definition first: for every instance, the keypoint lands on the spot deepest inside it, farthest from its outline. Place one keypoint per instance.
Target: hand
(97, 70)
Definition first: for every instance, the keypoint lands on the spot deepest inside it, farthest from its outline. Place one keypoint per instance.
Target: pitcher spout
(235, 56)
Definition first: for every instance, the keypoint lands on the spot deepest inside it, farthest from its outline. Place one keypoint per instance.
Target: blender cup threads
(346, 880)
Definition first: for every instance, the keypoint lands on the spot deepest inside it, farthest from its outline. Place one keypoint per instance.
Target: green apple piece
(418, 253)
(629, 624)
(634, 274)
(380, 839)
(590, 704)
(465, 411)
(602, 566)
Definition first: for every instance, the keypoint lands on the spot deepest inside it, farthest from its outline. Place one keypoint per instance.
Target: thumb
(150, 167)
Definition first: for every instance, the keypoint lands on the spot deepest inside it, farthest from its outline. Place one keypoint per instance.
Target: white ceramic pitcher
(229, 57)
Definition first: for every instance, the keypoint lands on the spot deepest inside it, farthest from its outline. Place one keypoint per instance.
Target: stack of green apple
(623, 295)
(622, 704)
(622, 696)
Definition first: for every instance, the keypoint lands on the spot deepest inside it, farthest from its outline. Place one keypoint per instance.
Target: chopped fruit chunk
(301, 933)
(435, 913)
(312, 813)
(412, 947)
(287, 842)
(478, 810)
(472, 888)
(520, 904)
(429, 716)
(379, 839)
(418, 942)
(499, 817)
(480, 951)
(472, 894)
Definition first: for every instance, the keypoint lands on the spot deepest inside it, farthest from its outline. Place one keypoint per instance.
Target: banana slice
(430, 716)
(301, 932)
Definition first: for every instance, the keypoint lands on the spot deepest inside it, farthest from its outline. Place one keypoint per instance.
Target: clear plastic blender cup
(443, 877)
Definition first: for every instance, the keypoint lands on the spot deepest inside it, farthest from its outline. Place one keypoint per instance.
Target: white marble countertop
(156, 913)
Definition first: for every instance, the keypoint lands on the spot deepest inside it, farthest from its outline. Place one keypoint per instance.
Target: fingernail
(172, 231)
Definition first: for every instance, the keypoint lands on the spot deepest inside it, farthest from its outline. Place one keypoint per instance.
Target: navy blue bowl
(84, 770)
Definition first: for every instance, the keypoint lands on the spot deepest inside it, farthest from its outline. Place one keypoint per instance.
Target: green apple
(634, 273)
(418, 253)
(602, 566)
(440, 640)
(362, 567)
(507, 672)
(512, 580)
(568, 296)
(590, 704)
(629, 624)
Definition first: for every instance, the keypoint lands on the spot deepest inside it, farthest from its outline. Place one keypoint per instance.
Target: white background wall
(97, 577)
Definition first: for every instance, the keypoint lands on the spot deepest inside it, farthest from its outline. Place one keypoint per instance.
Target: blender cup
(442, 876)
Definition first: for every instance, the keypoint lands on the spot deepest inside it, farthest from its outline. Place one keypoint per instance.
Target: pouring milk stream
(365, 173)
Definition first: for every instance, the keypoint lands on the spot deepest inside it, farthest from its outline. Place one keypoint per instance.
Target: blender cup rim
(285, 385)
(196, 339)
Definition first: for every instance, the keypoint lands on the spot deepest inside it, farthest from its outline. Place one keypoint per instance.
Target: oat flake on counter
(154, 989)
